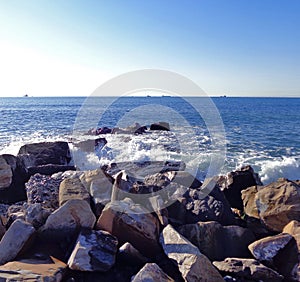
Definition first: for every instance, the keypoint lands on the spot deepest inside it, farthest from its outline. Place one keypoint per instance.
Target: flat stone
(94, 251)
(130, 222)
(14, 240)
(151, 272)
(193, 265)
(33, 270)
(247, 269)
(72, 188)
(66, 220)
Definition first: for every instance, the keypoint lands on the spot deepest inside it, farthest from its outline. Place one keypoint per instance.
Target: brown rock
(193, 265)
(278, 203)
(247, 269)
(248, 197)
(151, 272)
(293, 228)
(132, 223)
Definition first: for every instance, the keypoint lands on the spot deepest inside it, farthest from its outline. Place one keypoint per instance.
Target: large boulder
(132, 223)
(151, 272)
(94, 251)
(68, 220)
(278, 203)
(234, 182)
(218, 242)
(293, 228)
(15, 240)
(193, 265)
(249, 201)
(6, 174)
(165, 126)
(51, 270)
(248, 269)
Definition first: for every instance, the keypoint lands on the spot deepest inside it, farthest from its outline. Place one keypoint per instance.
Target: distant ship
(26, 95)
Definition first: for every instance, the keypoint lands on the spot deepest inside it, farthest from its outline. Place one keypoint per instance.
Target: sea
(261, 132)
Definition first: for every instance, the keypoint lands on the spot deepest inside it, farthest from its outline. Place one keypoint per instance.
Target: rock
(293, 228)
(68, 220)
(36, 215)
(278, 203)
(247, 269)
(94, 251)
(2, 230)
(72, 188)
(132, 223)
(14, 240)
(249, 202)
(46, 153)
(210, 236)
(49, 169)
(193, 265)
(151, 272)
(295, 273)
(33, 270)
(130, 255)
(43, 189)
(235, 182)
(5, 174)
(160, 126)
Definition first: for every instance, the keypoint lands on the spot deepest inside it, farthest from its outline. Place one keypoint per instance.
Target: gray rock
(193, 265)
(5, 174)
(130, 222)
(130, 255)
(151, 272)
(72, 188)
(210, 236)
(68, 219)
(247, 269)
(36, 215)
(14, 240)
(94, 251)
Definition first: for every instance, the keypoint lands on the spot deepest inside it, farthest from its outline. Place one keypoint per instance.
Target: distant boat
(26, 95)
(224, 96)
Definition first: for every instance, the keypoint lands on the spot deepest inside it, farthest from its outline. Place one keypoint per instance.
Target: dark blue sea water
(262, 132)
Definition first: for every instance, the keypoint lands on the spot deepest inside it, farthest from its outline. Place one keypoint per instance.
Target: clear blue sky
(233, 47)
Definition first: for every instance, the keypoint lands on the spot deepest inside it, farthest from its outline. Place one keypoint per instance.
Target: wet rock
(218, 242)
(235, 182)
(68, 220)
(94, 251)
(247, 269)
(151, 272)
(278, 203)
(193, 265)
(132, 223)
(72, 188)
(43, 189)
(130, 255)
(14, 240)
(51, 270)
(293, 228)
(57, 153)
(165, 126)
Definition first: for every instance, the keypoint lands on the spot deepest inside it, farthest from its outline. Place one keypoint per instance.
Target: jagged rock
(94, 251)
(68, 219)
(43, 189)
(247, 269)
(218, 242)
(72, 188)
(151, 272)
(278, 203)
(293, 228)
(5, 174)
(235, 182)
(15, 239)
(165, 126)
(37, 154)
(193, 265)
(130, 222)
(33, 270)
(36, 215)
(249, 202)
(49, 169)
(130, 255)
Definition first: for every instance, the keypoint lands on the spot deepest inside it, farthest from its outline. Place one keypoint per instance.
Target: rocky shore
(61, 224)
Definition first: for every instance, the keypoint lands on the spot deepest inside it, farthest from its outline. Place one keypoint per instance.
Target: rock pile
(85, 226)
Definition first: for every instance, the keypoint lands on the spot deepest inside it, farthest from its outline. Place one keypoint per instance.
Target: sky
(228, 47)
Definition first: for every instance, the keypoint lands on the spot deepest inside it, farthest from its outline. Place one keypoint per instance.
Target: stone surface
(128, 254)
(49, 169)
(193, 265)
(249, 202)
(266, 249)
(68, 219)
(210, 236)
(160, 126)
(235, 182)
(151, 272)
(247, 269)
(278, 203)
(94, 251)
(36, 215)
(5, 174)
(14, 240)
(293, 228)
(130, 222)
(51, 270)
(72, 188)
